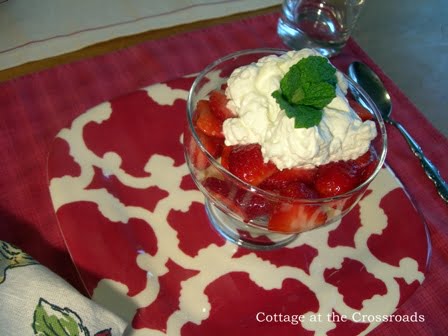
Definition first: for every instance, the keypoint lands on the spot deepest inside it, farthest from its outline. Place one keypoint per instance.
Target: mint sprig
(305, 116)
(306, 89)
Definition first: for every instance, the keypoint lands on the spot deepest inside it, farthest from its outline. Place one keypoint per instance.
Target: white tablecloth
(37, 29)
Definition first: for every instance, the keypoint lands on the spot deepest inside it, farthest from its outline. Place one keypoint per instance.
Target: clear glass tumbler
(324, 25)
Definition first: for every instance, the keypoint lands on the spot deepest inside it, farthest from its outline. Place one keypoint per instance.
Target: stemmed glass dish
(242, 212)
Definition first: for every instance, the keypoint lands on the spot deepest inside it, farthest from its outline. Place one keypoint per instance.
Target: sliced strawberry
(225, 156)
(224, 192)
(365, 165)
(206, 121)
(245, 204)
(363, 160)
(368, 170)
(212, 144)
(217, 186)
(335, 178)
(218, 105)
(252, 205)
(284, 177)
(296, 217)
(246, 162)
(298, 190)
(362, 112)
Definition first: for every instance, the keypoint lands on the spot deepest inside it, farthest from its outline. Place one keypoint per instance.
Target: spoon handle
(430, 169)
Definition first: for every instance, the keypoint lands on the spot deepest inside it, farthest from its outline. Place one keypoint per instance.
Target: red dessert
(298, 187)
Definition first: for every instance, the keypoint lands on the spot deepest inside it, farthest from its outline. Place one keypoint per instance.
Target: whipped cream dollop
(341, 134)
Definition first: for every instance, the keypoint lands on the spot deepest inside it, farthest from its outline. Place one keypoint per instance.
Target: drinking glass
(324, 25)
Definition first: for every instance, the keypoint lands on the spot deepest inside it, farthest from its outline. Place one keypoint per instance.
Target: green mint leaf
(318, 95)
(298, 96)
(304, 116)
(307, 87)
(300, 83)
(307, 116)
(291, 83)
(289, 109)
(51, 320)
(315, 69)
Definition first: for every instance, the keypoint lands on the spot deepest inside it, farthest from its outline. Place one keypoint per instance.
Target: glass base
(296, 39)
(245, 235)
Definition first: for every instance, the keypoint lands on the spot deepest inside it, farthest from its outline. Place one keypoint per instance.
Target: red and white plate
(136, 228)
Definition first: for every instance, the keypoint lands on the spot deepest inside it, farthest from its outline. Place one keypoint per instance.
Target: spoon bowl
(372, 84)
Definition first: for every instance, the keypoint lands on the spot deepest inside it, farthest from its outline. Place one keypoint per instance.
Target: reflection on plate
(136, 228)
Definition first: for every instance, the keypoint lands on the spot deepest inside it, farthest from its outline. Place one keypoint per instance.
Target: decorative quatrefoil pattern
(136, 228)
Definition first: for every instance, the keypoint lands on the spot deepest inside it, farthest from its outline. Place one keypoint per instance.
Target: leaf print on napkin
(51, 320)
(11, 257)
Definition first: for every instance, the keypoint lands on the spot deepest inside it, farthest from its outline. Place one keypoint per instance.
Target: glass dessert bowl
(250, 200)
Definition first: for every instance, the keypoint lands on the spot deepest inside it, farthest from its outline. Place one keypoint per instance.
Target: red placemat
(36, 107)
(127, 207)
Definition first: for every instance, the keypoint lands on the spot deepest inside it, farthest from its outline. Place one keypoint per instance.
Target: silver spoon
(370, 82)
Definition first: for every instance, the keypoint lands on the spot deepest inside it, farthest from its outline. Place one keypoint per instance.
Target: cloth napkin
(36, 301)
